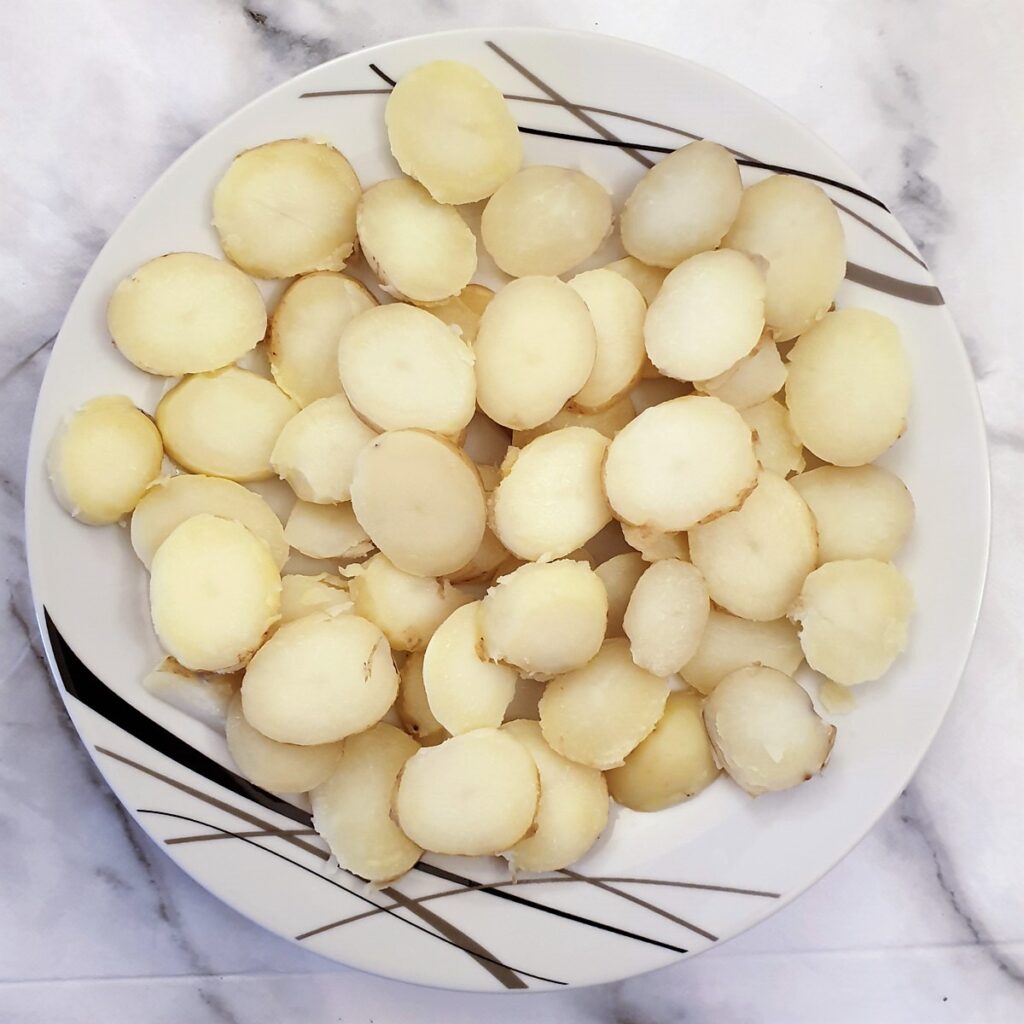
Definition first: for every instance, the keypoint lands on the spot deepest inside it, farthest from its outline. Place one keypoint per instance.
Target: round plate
(657, 887)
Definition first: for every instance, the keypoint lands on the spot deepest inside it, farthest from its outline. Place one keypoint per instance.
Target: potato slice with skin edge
(608, 422)
(765, 731)
(680, 463)
(674, 763)
(302, 595)
(776, 446)
(287, 207)
(420, 500)
(464, 691)
(315, 452)
(214, 591)
(102, 460)
(860, 512)
(224, 423)
(666, 616)
(403, 368)
(186, 313)
(474, 794)
(302, 343)
(647, 279)
(751, 381)
(756, 559)
(853, 617)
(654, 545)
(319, 679)
(545, 221)
(204, 697)
(326, 531)
(597, 714)
(463, 310)
(545, 618)
(619, 575)
(412, 706)
(535, 348)
(848, 389)
(572, 810)
(451, 130)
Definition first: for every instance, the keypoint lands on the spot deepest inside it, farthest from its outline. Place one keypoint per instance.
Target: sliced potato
(286, 208)
(545, 618)
(535, 349)
(608, 422)
(765, 731)
(302, 595)
(655, 389)
(619, 574)
(474, 794)
(752, 380)
(412, 706)
(647, 279)
(755, 560)
(853, 617)
(326, 531)
(836, 699)
(526, 702)
(464, 310)
(420, 500)
(186, 313)
(597, 714)
(545, 220)
(673, 764)
(776, 446)
(655, 545)
(572, 810)
(680, 463)
(224, 423)
(204, 697)
(214, 591)
(103, 458)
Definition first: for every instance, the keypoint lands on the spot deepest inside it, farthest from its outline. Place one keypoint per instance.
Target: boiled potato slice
(224, 423)
(618, 310)
(853, 617)
(860, 512)
(103, 458)
(755, 560)
(315, 453)
(545, 220)
(402, 367)
(286, 208)
(352, 808)
(489, 558)
(302, 343)
(729, 643)
(792, 224)
(655, 545)
(319, 679)
(673, 764)
(474, 794)
(572, 810)
(608, 422)
(776, 446)
(277, 767)
(419, 249)
(204, 697)
(420, 500)
(647, 279)
(551, 501)
(752, 380)
(765, 731)
(708, 315)
(464, 310)
(597, 714)
(302, 595)
(407, 609)
(451, 130)
(680, 463)
(848, 389)
(214, 591)
(326, 531)
(545, 618)
(666, 616)
(464, 691)
(526, 702)
(535, 348)
(836, 699)
(173, 499)
(412, 706)
(619, 574)
(683, 205)
(186, 313)
(655, 389)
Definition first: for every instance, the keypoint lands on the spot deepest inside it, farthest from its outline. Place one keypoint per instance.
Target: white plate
(659, 886)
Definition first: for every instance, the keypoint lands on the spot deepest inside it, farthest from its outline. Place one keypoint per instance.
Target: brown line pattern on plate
(925, 294)
(262, 833)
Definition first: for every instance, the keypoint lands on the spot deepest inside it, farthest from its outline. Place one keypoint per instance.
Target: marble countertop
(924, 921)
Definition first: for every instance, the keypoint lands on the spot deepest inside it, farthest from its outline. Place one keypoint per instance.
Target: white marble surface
(924, 921)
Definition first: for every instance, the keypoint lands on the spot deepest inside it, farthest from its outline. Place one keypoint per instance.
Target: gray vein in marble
(297, 50)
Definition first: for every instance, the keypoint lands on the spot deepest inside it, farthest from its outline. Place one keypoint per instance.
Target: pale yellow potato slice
(186, 313)
(572, 810)
(451, 130)
(474, 794)
(608, 422)
(674, 763)
(326, 531)
(765, 731)
(545, 220)
(214, 591)
(412, 706)
(848, 389)
(202, 696)
(535, 348)
(597, 714)
(103, 458)
(302, 595)
(647, 279)
(752, 380)
(526, 702)
(776, 446)
(287, 207)
(420, 500)
(680, 463)
(853, 617)
(836, 699)
(654, 389)
(619, 574)
(654, 545)
(463, 311)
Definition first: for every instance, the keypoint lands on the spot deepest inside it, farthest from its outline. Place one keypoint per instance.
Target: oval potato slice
(752, 380)
(302, 595)
(326, 531)
(647, 279)
(464, 310)
(619, 574)
(412, 706)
